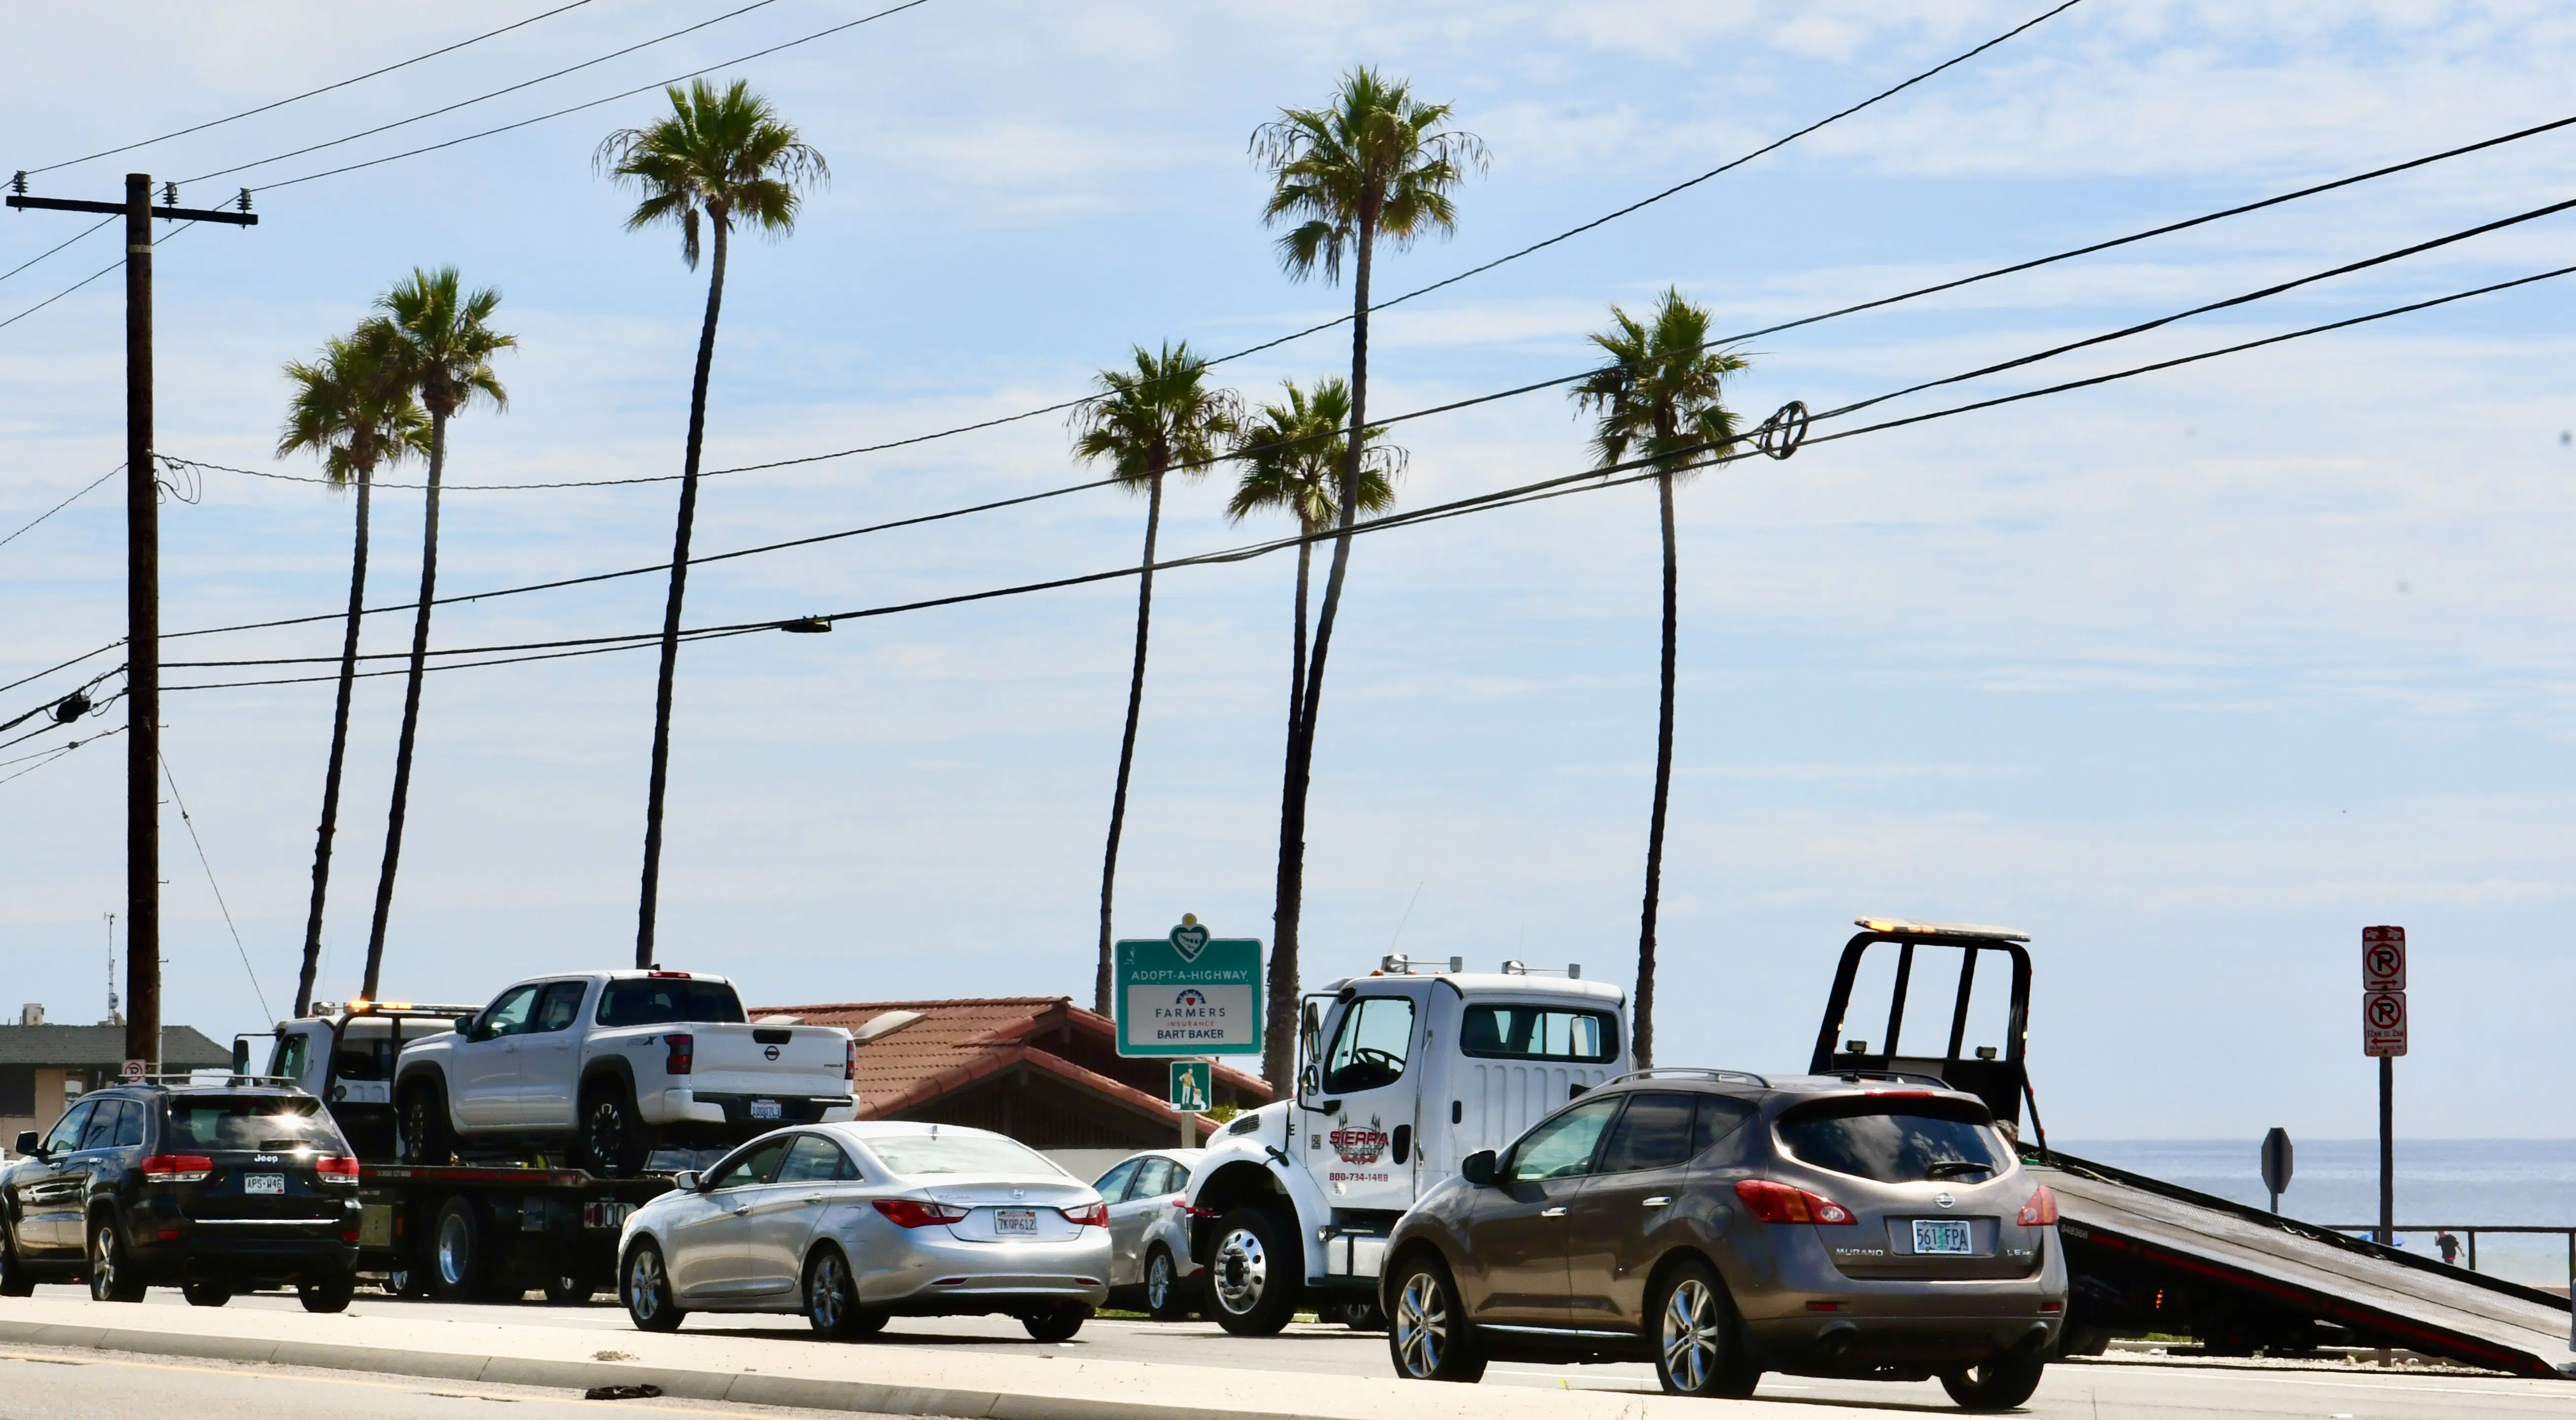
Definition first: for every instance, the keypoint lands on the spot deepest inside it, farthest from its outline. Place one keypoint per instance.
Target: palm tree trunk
(339, 751)
(1127, 747)
(1297, 646)
(411, 709)
(1644, 1047)
(649, 899)
(1279, 1050)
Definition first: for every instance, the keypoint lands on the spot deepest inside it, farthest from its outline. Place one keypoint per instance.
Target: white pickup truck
(617, 1063)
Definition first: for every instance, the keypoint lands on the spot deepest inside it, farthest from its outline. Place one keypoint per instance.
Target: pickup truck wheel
(646, 1289)
(1254, 1276)
(465, 1264)
(613, 1137)
(422, 1134)
(15, 1279)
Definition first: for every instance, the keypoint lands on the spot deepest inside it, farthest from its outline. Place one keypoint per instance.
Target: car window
(130, 1122)
(1538, 1033)
(815, 1159)
(668, 1000)
(749, 1167)
(291, 1054)
(100, 1132)
(1113, 1184)
(1718, 1118)
(1370, 1049)
(214, 1123)
(1153, 1180)
(559, 1006)
(507, 1016)
(1562, 1147)
(1897, 1141)
(1653, 1132)
(67, 1130)
(960, 1152)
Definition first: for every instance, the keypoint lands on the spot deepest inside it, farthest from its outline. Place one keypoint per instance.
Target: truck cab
(1401, 1074)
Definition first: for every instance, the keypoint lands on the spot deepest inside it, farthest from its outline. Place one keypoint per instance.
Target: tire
(1253, 1278)
(1057, 1323)
(15, 1279)
(1697, 1341)
(328, 1294)
(1999, 1384)
(1359, 1316)
(832, 1299)
(1430, 1338)
(206, 1294)
(422, 1135)
(569, 1290)
(614, 1139)
(408, 1280)
(1167, 1297)
(645, 1286)
(111, 1271)
(465, 1264)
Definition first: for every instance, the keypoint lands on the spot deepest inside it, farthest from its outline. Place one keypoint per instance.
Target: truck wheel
(1999, 1384)
(1699, 1344)
(614, 1141)
(1167, 1297)
(569, 1290)
(206, 1294)
(422, 1136)
(408, 1280)
(1430, 1337)
(646, 1289)
(1359, 1316)
(111, 1273)
(1255, 1276)
(328, 1294)
(464, 1255)
(15, 1279)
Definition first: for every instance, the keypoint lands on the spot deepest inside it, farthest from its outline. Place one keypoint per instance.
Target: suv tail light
(1095, 1215)
(2040, 1211)
(684, 1053)
(914, 1213)
(850, 1060)
(1779, 1203)
(177, 1168)
(336, 1168)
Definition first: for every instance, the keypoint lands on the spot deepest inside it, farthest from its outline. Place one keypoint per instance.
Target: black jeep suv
(214, 1188)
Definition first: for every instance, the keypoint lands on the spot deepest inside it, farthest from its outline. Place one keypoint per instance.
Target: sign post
(2383, 1035)
(2276, 1164)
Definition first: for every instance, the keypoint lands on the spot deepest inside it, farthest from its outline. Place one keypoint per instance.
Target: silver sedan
(853, 1223)
(1149, 1233)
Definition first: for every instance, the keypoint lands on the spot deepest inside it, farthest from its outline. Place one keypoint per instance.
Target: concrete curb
(749, 1388)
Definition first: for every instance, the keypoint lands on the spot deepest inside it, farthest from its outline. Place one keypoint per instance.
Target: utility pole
(142, 597)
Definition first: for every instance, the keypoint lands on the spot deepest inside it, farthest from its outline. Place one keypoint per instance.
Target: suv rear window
(1539, 1033)
(1897, 1141)
(263, 1123)
(669, 1001)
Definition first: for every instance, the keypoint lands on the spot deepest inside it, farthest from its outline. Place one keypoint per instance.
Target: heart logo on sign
(1190, 939)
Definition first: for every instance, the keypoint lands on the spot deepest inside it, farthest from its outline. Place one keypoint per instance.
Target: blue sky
(2190, 676)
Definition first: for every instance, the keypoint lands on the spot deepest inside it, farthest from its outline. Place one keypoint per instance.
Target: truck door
(1366, 1148)
(486, 1086)
(550, 1057)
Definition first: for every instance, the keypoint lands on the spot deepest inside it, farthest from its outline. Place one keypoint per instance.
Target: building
(44, 1067)
(1037, 1068)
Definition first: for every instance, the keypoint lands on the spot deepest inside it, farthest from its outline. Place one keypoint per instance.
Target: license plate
(764, 1109)
(1015, 1220)
(1941, 1235)
(263, 1183)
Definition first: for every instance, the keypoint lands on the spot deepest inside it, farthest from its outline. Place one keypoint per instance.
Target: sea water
(2440, 1182)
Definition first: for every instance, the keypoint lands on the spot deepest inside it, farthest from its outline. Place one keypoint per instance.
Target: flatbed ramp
(2147, 1256)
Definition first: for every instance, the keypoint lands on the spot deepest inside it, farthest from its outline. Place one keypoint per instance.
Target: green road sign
(1188, 994)
(1193, 1082)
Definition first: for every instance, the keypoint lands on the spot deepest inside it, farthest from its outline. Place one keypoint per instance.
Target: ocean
(2439, 1182)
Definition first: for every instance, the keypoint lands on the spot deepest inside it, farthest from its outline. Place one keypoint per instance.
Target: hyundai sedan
(854, 1223)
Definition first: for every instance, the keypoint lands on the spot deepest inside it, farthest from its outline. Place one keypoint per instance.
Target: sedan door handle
(1557, 1212)
(743, 1211)
(813, 1198)
(1659, 1201)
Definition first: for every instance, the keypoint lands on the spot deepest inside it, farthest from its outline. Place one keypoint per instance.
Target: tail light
(336, 1168)
(1779, 1203)
(1094, 1216)
(850, 1060)
(177, 1168)
(2040, 1211)
(684, 1053)
(913, 1213)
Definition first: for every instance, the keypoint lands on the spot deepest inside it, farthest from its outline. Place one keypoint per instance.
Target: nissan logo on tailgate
(771, 1052)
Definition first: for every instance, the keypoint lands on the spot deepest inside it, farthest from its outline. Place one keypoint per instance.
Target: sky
(2189, 676)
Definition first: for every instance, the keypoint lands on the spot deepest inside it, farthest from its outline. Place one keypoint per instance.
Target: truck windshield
(1898, 1141)
(267, 1123)
(669, 1001)
(1538, 1033)
(919, 1154)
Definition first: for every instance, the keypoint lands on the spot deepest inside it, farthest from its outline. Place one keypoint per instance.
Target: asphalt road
(144, 1388)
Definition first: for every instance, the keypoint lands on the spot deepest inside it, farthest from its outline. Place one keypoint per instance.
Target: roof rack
(1895, 1077)
(212, 1076)
(1731, 1077)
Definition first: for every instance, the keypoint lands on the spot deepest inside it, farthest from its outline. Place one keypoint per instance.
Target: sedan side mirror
(686, 1180)
(27, 1143)
(1478, 1168)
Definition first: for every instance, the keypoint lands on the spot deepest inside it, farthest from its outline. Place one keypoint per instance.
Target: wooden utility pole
(142, 599)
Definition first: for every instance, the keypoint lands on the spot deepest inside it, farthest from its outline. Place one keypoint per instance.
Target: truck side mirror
(241, 1055)
(1478, 1168)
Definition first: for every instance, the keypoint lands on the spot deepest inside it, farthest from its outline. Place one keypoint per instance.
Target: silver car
(1149, 1233)
(853, 1223)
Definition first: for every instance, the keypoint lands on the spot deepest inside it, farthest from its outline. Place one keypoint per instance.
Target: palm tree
(1292, 456)
(1157, 419)
(345, 409)
(1660, 400)
(439, 343)
(724, 156)
(1376, 164)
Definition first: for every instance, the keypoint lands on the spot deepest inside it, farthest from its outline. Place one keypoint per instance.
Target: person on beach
(2449, 1247)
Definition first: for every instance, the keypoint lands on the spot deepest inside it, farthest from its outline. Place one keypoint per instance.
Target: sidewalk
(765, 1370)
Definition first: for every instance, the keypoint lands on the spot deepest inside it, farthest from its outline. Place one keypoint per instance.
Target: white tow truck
(1401, 1074)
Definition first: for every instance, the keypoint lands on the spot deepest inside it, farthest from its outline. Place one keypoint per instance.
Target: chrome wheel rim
(826, 1298)
(1690, 1335)
(1158, 1281)
(102, 1265)
(1242, 1271)
(455, 1253)
(1421, 1326)
(644, 1284)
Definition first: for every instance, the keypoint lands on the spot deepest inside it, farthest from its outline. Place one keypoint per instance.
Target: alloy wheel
(1158, 1282)
(644, 1284)
(102, 1265)
(1422, 1325)
(828, 1295)
(1242, 1271)
(1690, 1335)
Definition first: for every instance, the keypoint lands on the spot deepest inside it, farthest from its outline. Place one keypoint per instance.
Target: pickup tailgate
(795, 1061)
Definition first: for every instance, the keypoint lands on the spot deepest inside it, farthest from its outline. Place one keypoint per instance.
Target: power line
(59, 751)
(220, 906)
(49, 251)
(310, 93)
(58, 507)
(115, 265)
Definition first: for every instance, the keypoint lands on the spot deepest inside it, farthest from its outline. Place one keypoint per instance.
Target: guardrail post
(2473, 1249)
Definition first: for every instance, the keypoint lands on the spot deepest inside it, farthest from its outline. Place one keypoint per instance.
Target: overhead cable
(115, 265)
(49, 251)
(58, 507)
(217, 888)
(59, 751)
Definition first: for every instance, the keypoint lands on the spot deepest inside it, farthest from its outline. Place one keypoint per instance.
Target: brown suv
(1721, 1225)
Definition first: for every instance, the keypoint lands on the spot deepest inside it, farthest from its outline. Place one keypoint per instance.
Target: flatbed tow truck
(2148, 1256)
(489, 1229)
